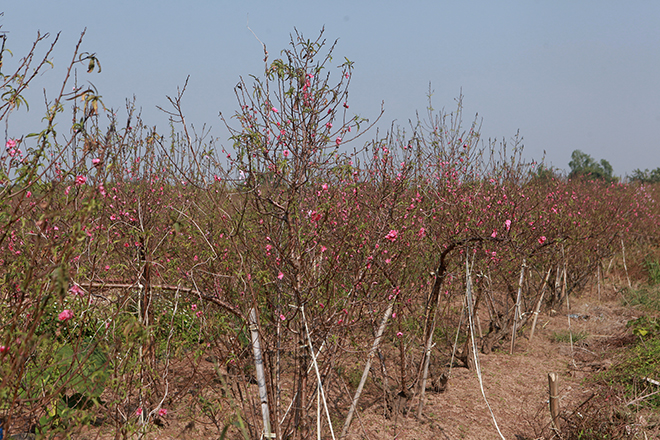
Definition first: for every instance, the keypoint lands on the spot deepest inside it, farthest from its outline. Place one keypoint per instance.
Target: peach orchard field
(129, 257)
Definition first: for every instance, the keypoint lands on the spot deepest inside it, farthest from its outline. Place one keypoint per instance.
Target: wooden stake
(564, 289)
(554, 401)
(598, 275)
(517, 308)
(367, 367)
(538, 306)
(558, 285)
(261, 377)
(319, 390)
(625, 267)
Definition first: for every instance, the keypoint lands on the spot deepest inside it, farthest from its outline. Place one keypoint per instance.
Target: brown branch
(217, 301)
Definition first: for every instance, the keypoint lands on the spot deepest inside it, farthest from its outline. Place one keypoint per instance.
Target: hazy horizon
(567, 75)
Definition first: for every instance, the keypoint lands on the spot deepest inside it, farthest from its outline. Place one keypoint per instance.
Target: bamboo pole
(568, 316)
(320, 391)
(261, 377)
(365, 373)
(558, 285)
(554, 401)
(564, 289)
(625, 267)
(599, 280)
(538, 306)
(474, 351)
(432, 306)
(517, 308)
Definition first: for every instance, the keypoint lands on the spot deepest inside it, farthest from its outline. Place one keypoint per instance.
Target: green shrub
(652, 266)
(640, 366)
(564, 336)
(646, 298)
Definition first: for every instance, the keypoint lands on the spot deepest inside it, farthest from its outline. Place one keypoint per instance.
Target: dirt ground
(515, 386)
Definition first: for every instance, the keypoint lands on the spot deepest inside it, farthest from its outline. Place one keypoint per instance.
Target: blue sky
(567, 74)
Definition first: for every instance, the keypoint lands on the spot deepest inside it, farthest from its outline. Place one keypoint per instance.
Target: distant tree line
(645, 176)
(584, 166)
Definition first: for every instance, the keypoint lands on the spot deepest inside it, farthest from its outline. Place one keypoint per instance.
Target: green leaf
(85, 371)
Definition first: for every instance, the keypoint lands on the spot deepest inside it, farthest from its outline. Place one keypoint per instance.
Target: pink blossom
(199, 314)
(399, 334)
(3, 349)
(96, 161)
(329, 125)
(282, 317)
(65, 315)
(338, 140)
(494, 234)
(162, 412)
(138, 412)
(507, 223)
(392, 235)
(542, 239)
(323, 248)
(274, 110)
(28, 194)
(285, 153)
(76, 290)
(422, 232)
(280, 275)
(80, 180)
(324, 186)
(193, 307)
(11, 143)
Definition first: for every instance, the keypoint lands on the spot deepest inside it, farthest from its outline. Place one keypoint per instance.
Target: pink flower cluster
(11, 148)
(76, 290)
(392, 235)
(65, 315)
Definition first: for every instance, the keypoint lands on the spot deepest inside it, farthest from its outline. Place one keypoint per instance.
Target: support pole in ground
(599, 280)
(365, 373)
(538, 306)
(625, 267)
(261, 377)
(554, 401)
(516, 311)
